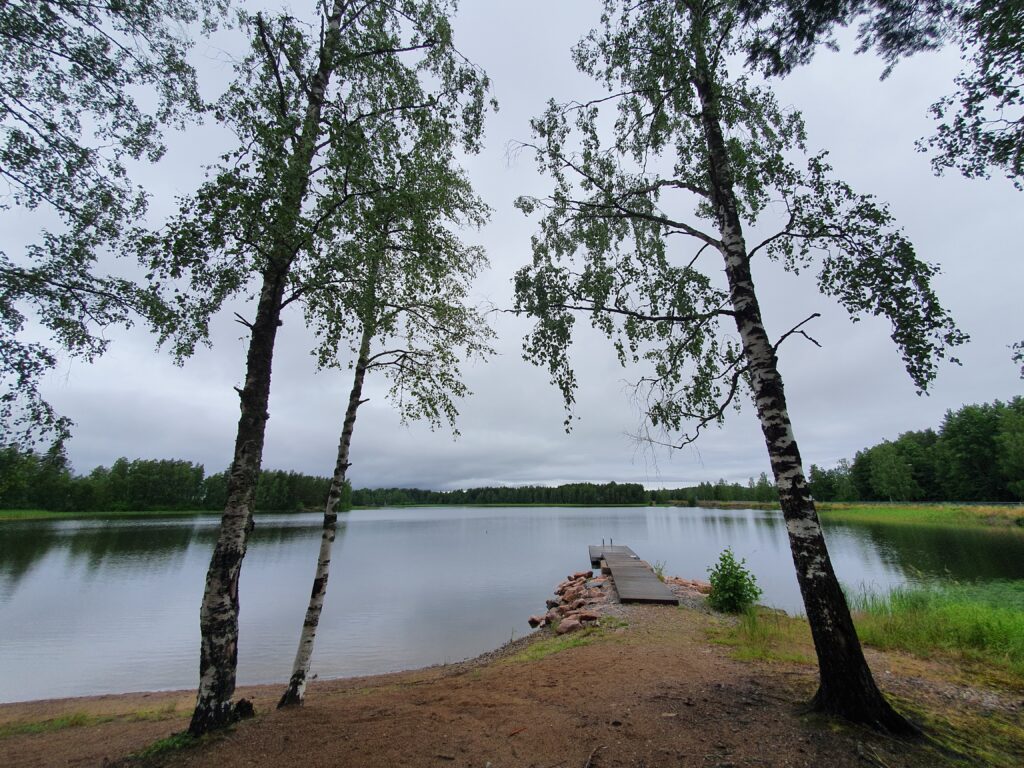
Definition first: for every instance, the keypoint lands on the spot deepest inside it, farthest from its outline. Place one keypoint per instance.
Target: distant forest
(977, 454)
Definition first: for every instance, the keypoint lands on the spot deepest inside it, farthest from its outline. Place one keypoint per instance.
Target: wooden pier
(634, 580)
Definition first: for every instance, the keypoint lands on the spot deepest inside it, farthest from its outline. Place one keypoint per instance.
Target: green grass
(981, 624)
(72, 720)
(925, 514)
(172, 743)
(80, 719)
(549, 646)
(761, 634)
(961, 737)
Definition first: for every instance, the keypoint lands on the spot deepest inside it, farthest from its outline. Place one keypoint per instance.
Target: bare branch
(796, 330)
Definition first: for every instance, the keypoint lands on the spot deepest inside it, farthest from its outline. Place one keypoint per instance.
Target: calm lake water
(103, 606)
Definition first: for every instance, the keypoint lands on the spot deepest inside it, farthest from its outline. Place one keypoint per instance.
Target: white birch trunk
(218, 616)
(294, 695)
(846, 686)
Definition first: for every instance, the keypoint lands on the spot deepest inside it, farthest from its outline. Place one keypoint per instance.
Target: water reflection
(106, 606)
(962, 554)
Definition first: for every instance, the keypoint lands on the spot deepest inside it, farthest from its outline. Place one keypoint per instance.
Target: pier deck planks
(634, 581)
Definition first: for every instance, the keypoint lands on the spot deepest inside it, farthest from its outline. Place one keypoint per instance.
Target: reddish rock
(552, 616)
(568, 625)
(588, 616)
(571, 595)
(536, 621)
(581, 575)
(552, 603)
(577, 604)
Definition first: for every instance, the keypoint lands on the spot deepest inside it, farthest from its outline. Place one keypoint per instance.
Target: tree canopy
(980, 126)
(627, 208)
(71, 123)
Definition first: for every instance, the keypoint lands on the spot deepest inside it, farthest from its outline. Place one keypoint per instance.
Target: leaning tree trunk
(295, 693)
(846, 686)
(218, 617)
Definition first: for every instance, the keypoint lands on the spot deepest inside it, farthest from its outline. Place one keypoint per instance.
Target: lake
(107, 606)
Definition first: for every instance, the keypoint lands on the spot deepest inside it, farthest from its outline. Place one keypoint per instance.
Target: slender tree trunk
(295, 693)
(219, 612)
(218, 617)
(846, 687)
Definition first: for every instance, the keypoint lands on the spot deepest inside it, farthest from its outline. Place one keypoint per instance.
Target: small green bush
(733, 587)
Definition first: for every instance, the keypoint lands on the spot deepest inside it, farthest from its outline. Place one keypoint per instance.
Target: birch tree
(70, 127)
(402, 313)
(696, 155)
(315, 108)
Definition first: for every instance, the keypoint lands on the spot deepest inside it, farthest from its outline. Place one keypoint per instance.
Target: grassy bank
(977, 624)
(1004, 515)
(980, 626)
(1011, 516)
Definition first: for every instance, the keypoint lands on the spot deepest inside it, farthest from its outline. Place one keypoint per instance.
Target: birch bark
(218, 619)
(295, 693)
(846, 686)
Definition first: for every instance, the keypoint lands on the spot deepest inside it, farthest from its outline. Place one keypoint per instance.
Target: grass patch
(81, 719)
(925, 514)
(958, 736)
(982, 624)
(72, 720)
(173, 743)
(761, 634)
(549, 646)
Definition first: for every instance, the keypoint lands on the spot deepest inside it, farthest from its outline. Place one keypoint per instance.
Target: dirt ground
(649, 689)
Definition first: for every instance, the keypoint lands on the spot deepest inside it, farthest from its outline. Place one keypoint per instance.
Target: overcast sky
(851, 393)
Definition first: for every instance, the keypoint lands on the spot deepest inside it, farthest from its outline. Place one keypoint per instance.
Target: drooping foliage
(627, 207)
(407, 283)
(71, 125)
(289, 190)
(980, 124)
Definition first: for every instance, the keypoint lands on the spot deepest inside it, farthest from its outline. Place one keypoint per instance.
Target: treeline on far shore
(976, 454)
(569, 493)
(30, 480)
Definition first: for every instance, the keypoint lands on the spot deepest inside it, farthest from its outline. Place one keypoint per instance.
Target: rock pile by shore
(693, 585)
(577, 602)
(583, 598)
